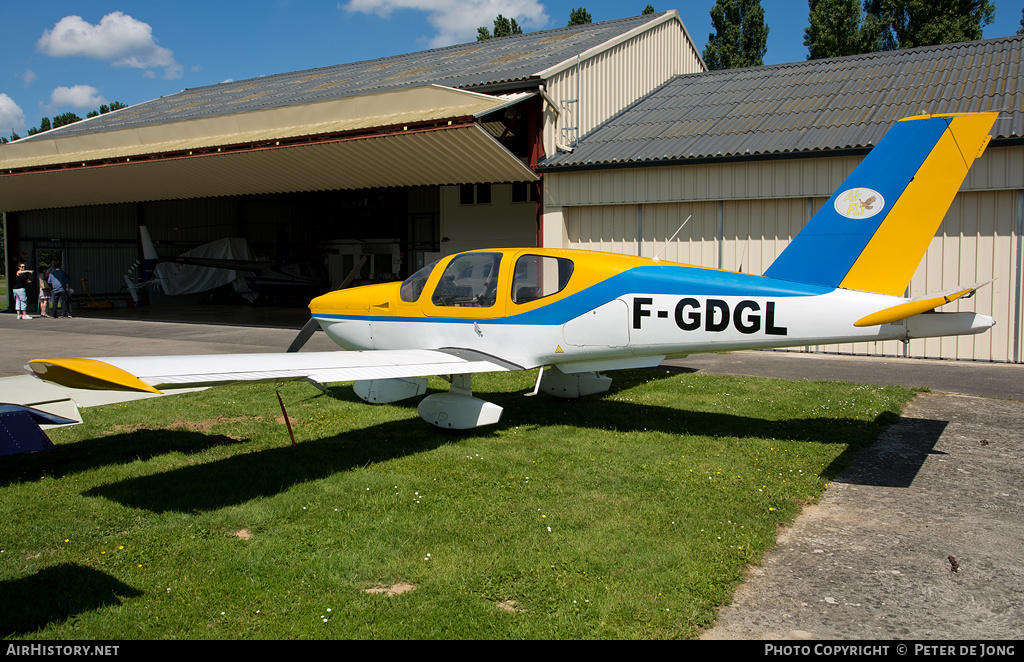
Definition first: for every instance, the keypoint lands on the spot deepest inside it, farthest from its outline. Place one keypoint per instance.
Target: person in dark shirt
(59, 291)
(22, 279)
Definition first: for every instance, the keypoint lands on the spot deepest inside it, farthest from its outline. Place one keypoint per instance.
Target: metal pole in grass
(286, 421)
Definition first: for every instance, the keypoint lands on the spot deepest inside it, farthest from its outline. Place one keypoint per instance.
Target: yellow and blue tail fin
(873, 232)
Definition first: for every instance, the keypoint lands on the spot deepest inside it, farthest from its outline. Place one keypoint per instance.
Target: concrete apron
(921, 538)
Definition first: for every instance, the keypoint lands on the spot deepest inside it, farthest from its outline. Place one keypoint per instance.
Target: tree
(649, 9)
(579, 16)
(104, 109)
(503, 27)
(892, 24)
(70, 118)
(1021, 30)
(741, 35)
(44, 125)
(65, 118)
(834, 29)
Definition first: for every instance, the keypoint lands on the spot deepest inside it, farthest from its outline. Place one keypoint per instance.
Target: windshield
(412, 286)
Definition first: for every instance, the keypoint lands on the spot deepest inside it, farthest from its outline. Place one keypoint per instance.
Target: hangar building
(401, 159)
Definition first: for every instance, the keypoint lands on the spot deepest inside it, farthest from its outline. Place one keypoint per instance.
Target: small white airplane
(574, 314)
(216, 264)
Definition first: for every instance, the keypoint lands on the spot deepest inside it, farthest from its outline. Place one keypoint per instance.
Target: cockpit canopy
(471, 280)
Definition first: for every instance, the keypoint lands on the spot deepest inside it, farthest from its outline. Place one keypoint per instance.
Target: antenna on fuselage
(671, 239)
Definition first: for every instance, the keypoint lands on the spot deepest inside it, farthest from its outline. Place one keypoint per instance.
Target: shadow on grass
(142, 444)
(138, 445)
(267, 472)
(253, 470)
(249, 475)
(57, 594)
(145, 444)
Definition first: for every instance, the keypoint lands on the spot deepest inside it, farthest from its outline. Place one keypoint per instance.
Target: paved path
(872, 559)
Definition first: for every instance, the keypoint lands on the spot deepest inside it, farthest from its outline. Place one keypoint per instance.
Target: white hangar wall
(743, 214)
(607, 79)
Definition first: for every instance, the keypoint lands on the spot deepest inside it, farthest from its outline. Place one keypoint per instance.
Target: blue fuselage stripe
(667, 279)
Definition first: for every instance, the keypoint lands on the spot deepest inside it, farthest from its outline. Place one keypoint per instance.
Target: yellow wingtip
(87, 374)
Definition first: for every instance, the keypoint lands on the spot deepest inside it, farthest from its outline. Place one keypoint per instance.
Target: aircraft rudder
(894, 252)
(872, 232)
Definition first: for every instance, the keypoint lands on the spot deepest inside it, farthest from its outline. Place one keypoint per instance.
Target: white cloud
(456, 21)
(11, 116)
(78, 96)
(28, 76)
(118, 38)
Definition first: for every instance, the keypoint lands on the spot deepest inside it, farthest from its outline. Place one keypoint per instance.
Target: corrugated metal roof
(832, 104)
(477, 64)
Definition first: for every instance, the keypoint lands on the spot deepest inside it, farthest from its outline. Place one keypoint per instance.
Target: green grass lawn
(632, 515)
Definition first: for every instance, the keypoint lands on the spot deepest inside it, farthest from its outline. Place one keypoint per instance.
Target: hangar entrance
(398, 230)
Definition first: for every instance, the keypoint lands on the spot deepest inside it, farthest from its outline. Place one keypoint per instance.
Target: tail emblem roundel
(859, 203)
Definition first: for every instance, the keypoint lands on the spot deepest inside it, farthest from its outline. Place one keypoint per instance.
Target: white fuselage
(654, 325)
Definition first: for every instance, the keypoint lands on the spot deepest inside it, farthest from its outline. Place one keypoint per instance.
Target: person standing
(22, 279)
(59, 291)
(50, 301)
(44, 293)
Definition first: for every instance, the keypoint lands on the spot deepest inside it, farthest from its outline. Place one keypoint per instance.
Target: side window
(412, 286)
(539, 276)
(469, 280)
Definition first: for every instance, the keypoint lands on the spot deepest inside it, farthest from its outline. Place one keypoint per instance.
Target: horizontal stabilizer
(918, 305)
(20, 430)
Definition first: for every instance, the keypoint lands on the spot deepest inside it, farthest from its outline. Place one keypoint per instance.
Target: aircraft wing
(153, 374)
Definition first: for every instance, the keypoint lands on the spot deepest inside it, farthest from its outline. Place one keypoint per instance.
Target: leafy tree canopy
(834, 29)
(579, 16)
(741, 35)
(839, 27)
(503, 27)
(69, 118)
(892, 24)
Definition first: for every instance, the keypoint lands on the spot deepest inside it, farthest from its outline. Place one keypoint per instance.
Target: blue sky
(60, 56)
